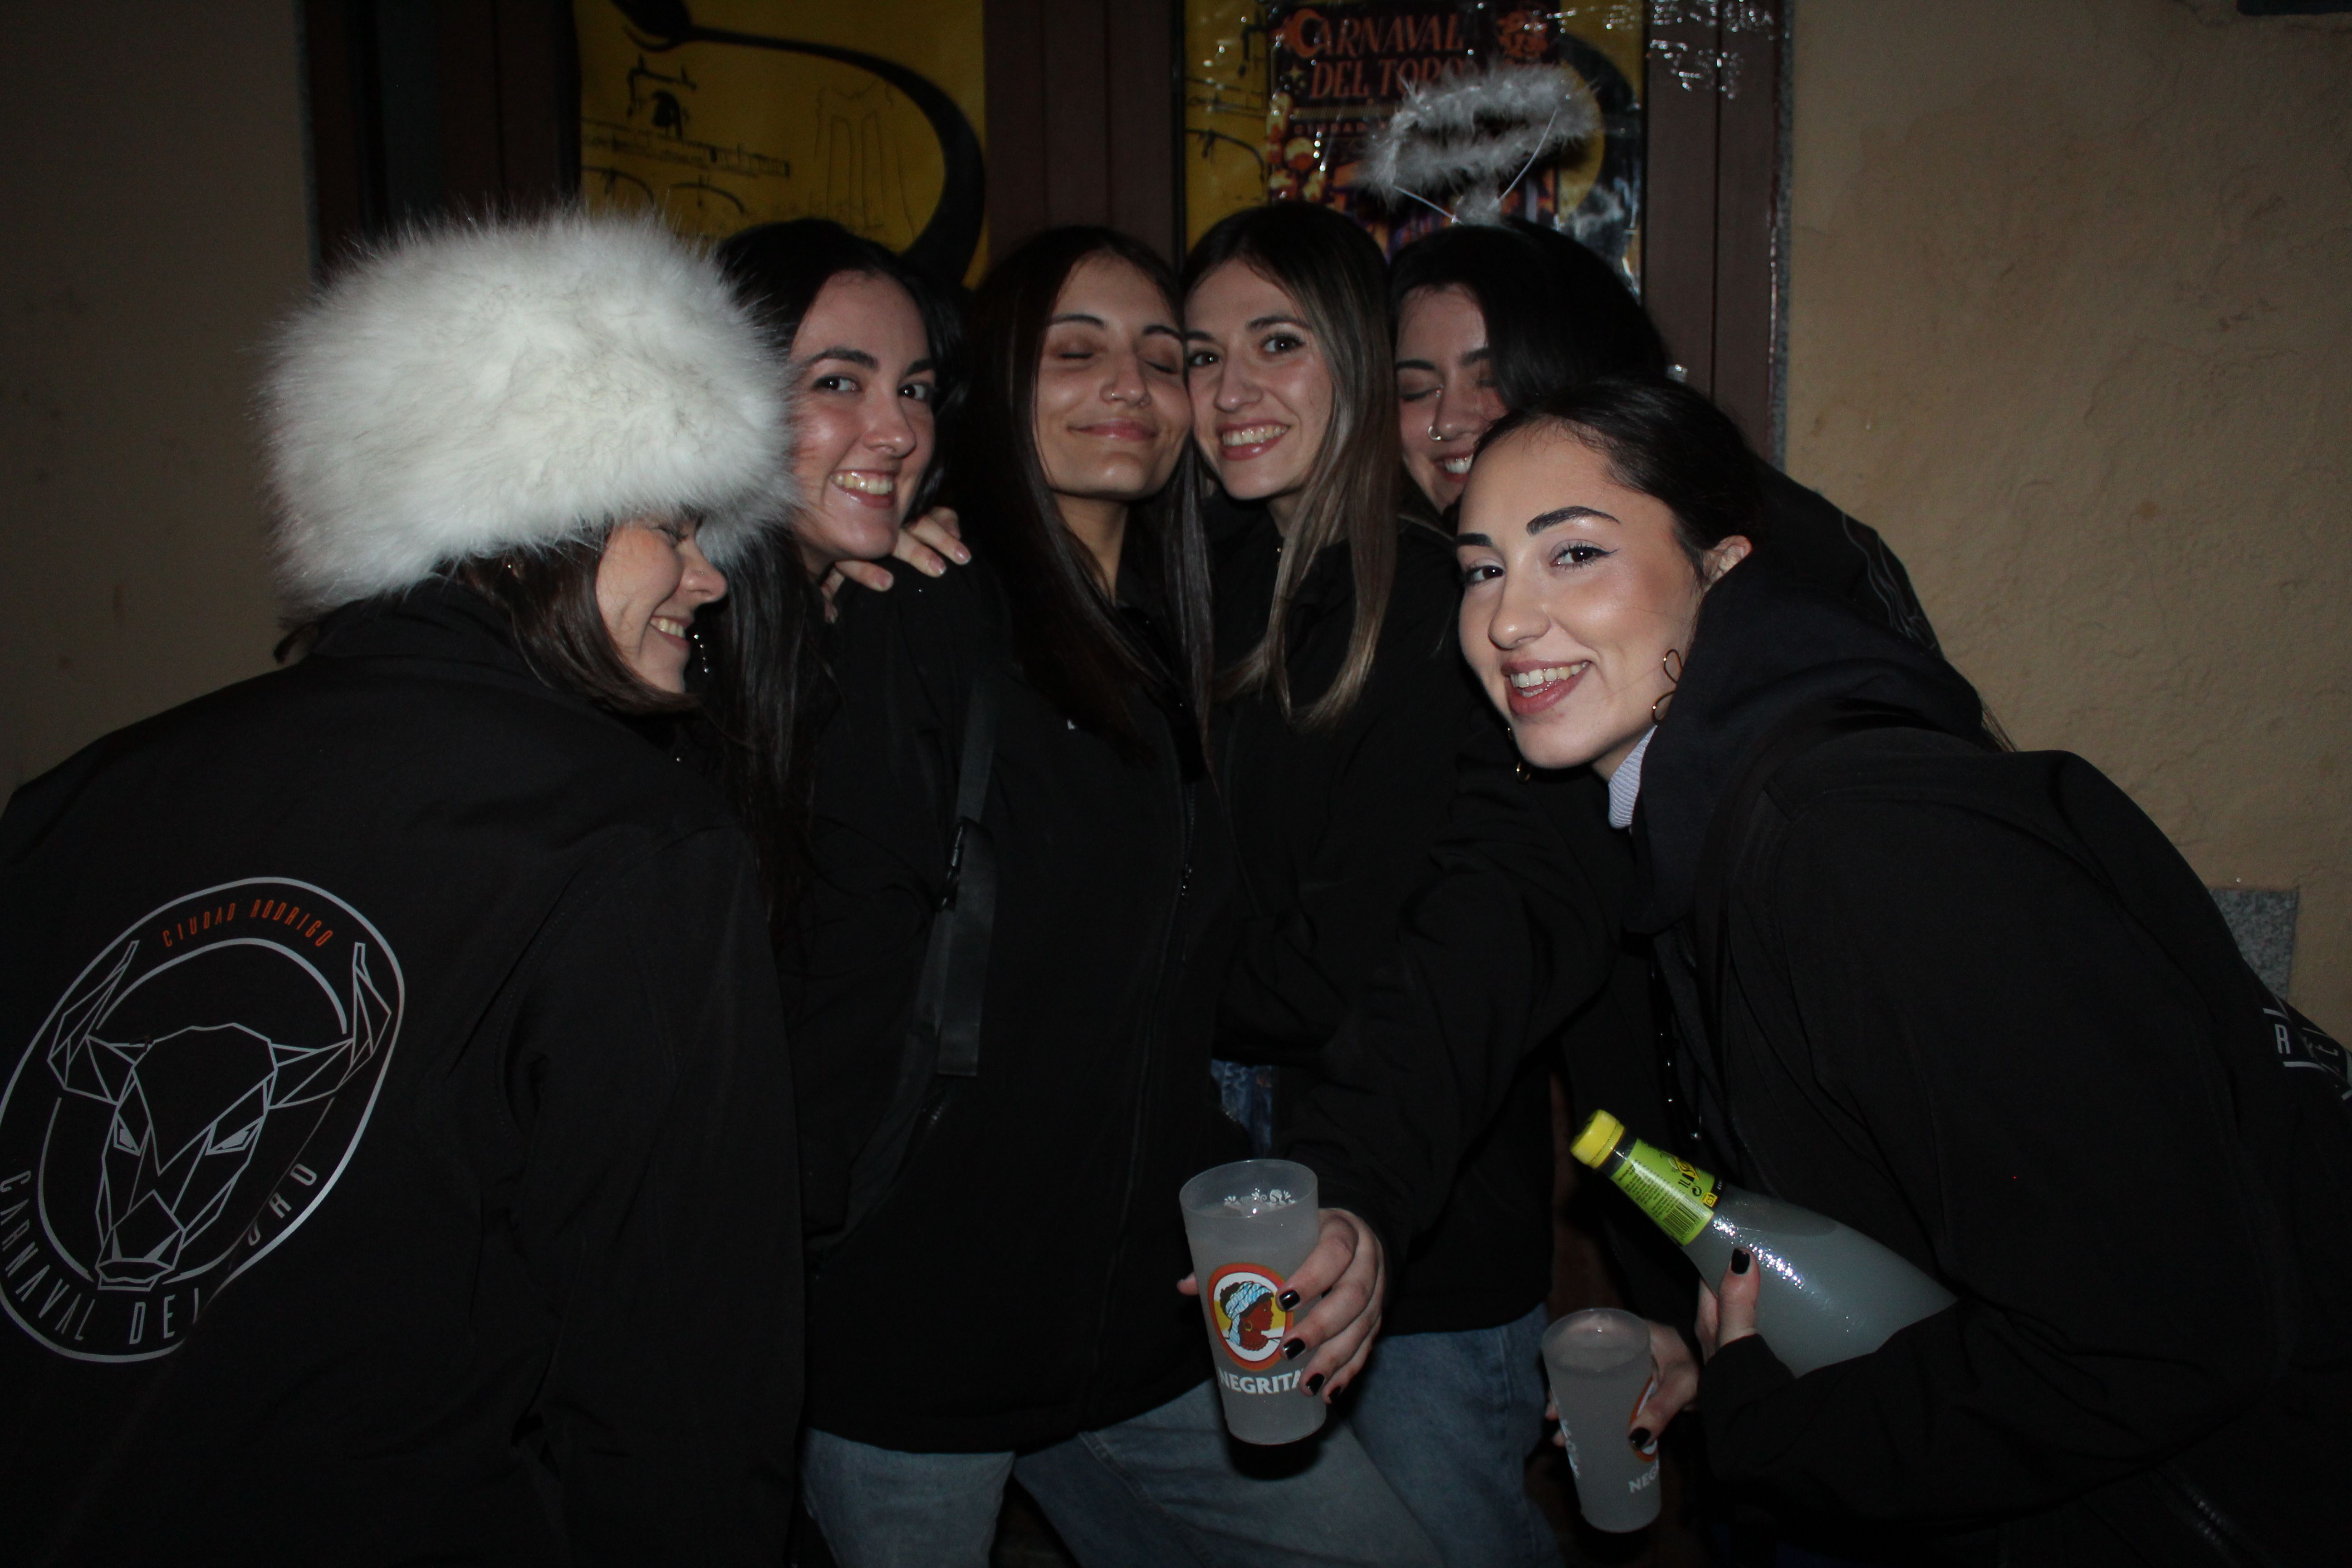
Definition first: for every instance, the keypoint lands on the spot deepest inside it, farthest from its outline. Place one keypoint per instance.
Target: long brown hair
(1073, 644)
(1332, 272)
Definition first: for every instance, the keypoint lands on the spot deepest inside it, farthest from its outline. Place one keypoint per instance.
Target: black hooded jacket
(1333, 828)
(390, 1164)
(1974, 1004)
(1512, 935)
(1017, 1285)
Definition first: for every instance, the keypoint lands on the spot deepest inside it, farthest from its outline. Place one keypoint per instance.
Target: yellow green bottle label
(1676, 1193)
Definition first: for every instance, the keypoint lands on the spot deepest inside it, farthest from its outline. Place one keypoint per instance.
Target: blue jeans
(1160, 1489)
(1450, 1419)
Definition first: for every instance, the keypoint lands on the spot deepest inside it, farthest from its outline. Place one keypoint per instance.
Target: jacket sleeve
(1298, 969)
(2042, 1087)
(1512, 930)
(879, 849)
(656, 1210)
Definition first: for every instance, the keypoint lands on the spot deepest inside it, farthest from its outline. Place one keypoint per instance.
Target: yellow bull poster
(726, 113)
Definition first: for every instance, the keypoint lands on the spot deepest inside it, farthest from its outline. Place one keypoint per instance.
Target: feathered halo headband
(1475, 135)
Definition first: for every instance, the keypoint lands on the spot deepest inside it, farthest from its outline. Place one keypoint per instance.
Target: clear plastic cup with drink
(1251, 1224)
(1601, 1370)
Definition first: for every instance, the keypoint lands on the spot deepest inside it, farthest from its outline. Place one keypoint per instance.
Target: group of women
(1283, 705)
(1222, 530)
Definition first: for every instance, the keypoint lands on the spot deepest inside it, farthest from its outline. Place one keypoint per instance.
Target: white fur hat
(486, 386)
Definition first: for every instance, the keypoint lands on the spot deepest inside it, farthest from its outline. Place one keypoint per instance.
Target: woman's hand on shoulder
(1348, 1271)
(927, 544)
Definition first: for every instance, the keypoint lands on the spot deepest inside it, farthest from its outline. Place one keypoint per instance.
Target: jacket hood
(488, 387)
(1767, 647)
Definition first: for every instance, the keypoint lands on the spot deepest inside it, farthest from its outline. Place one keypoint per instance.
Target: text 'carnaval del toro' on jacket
(1334, 828)
(1974, 1004)
(388, 1166)
(1016, 1285)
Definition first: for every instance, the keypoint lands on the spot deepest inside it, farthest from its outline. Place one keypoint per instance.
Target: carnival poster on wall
(726, 113)
(1279, 99)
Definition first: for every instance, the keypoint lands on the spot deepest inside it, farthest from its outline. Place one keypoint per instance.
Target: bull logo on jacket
(186, 1105)
(1246, 1305)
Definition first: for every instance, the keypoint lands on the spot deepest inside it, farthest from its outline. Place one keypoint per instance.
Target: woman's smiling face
(863, 369)
(1110, 415)
(650, 582)
(1575, 589)
(1262, 392)
(1445, 389)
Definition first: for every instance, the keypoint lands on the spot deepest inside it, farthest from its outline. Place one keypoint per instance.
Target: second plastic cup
(1251, 1224)
(1601, 1368)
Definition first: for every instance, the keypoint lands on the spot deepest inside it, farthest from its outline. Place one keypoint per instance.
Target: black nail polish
(1640, 1437)
(1288, 1299)
(1315, 1384)
(1290, 1351)
(1739, 1260)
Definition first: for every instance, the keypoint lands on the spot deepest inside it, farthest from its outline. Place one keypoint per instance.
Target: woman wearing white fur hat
(398, 1159)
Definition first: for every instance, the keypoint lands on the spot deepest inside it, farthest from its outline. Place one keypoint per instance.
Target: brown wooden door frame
(1714, 219)
(421, 106)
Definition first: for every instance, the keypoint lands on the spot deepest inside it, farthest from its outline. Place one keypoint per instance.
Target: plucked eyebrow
(1277, 320)
(1160, 329)
(1416, 364)
(848, 356)
(1538, 524)
(921, 367)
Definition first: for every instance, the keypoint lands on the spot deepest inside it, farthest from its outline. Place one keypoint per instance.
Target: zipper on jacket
(1135, 1139)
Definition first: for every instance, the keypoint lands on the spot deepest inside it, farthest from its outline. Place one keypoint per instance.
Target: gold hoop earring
(1671, 664)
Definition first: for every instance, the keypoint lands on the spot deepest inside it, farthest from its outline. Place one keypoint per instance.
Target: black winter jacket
(389, 1167)
(1514, 934)
(1974, 1004)
(1017, 1285)
(1333, 830)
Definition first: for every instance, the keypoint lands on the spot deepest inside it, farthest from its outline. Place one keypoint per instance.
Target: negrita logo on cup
(1245, 1308)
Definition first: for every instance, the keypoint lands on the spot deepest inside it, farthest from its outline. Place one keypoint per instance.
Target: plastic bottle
(1828, 1293)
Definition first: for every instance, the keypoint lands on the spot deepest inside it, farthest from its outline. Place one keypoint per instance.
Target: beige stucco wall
(2071, 322)
(153, 188)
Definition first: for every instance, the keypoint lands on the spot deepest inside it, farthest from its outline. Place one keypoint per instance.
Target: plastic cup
(1600, 1371)
(1251, 1224)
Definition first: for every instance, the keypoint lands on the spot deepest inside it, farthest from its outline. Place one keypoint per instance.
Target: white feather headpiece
(490, 386)
(1476, 134)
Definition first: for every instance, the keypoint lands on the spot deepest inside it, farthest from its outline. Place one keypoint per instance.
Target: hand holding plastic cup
(1251, 1224)
(1600, 1371)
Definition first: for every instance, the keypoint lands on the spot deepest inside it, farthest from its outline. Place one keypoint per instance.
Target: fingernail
(1288, 1299)
(963, 556)
(1739, 1260)
(1641, 1437)
(934, 569)
(1290, 1351)
(1315, 1384)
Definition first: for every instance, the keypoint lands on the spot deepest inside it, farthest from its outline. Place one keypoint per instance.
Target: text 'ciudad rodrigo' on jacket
(392, 1154)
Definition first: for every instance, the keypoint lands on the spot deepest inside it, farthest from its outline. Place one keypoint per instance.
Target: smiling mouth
(1532, 690)
(1457, 467)
(1250, 435)
(864, 484)
(670, 629)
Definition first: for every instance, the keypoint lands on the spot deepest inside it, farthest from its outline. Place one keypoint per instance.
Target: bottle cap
(1600, 1134)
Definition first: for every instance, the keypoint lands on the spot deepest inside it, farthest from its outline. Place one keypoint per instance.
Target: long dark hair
(765, 668)
(1556, 315)
(778, 270)
(1072, 645)
(1666, 442)
(1332, 271)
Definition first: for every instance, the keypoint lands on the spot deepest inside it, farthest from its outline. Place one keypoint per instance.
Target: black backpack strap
(955, 962)
(940, 1047)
